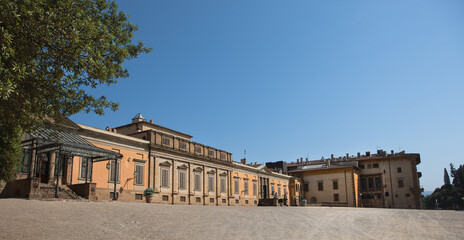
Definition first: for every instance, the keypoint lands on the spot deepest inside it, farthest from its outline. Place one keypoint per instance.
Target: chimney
(359, 154)
(301, 160)
(328, 163)
(151, 121)
(347, 156)
(114, 130)
(392, 152)
(243, 161)
(331, 156)
(368, 154)
(307, 160)
(108, 128)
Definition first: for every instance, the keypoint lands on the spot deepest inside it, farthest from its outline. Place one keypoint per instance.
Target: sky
(291, 79)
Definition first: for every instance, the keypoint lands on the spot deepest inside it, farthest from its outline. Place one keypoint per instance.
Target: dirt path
(33, 219)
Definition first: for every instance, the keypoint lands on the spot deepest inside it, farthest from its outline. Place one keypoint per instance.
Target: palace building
(70, 160)
(372, 180)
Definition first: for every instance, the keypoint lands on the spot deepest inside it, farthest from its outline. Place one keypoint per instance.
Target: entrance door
(264, 192)
(44, 168)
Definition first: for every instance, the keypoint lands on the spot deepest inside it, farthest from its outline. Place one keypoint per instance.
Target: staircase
(48, 191)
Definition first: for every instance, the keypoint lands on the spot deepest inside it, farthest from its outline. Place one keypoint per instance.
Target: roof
(139, 115)
(68, 141)
(321, 168)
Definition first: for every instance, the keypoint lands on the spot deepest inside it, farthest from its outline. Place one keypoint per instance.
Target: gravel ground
(35, 219)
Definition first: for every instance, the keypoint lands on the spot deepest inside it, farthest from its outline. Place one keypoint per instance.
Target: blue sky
(290, 79)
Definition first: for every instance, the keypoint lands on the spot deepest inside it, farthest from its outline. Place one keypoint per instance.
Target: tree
(448, 196)
(446, 178)
(51, 53)
(458, 176)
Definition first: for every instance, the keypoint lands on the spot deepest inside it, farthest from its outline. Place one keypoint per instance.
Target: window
(362, 166)
(223, 201)
(369, 166)
(84, 162)
(245, 183)
(182, 198)
(272, 189)
(164, 177)
(370, 181)
(236, 201)
(223, 184)
(278, 191)
(408, 195)
(336, 198)
(197, 182)
(198, 199)
(138, 197)
(183, 145)
(375, 165)
(256, 202)
(211, 153)
(165, 198)
(198, 149)
(166, 141)
(223, 156)
(112, 176)
(285, 191)
(236, 190)
(399, 170)
(306, 187)
(182, 179)
(378, 183)
(211, 200)
(211, 183)
(320, 186)
(335, 185)
(138, 174)
(400, 183)
(246, 201)
(255, 189)
(26, 160)
(363, 184)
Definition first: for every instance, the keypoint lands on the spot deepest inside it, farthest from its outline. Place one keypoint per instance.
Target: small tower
(138, 118)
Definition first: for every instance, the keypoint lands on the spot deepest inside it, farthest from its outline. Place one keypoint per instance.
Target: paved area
(34, 219)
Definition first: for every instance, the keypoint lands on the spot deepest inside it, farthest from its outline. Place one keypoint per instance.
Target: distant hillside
(426, 193)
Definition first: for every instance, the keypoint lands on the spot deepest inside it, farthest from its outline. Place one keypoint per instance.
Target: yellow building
(369, 180)
(120, 163)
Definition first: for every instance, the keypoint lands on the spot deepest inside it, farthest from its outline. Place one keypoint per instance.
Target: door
(44, 168)
(264, 192)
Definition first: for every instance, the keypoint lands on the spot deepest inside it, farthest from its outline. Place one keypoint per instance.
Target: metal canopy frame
(70, 143)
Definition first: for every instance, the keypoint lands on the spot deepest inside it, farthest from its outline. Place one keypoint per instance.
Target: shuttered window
(245, 183)
(211, 183)
(139, 174)
(182, 179)
(223, 184)
(197, 182)
(112, 176)
(255, 189)
(164, 177)
(236, 186)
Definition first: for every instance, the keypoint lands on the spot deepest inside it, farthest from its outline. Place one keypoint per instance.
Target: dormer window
(183, 146)
(166, 141)
(198, 149)
(211, 153)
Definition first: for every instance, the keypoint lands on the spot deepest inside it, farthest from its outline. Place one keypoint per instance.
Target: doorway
(44, 168)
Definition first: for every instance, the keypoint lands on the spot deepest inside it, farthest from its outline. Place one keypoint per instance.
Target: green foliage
(149, 192)
(448, 196)
(51, 53)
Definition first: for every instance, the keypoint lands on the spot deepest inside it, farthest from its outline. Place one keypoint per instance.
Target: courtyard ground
(35, 219)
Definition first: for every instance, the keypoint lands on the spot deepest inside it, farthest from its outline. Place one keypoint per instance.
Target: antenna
(244, 154)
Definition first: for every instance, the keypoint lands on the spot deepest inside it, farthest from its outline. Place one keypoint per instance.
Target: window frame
(164, 183)
(137, 177)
